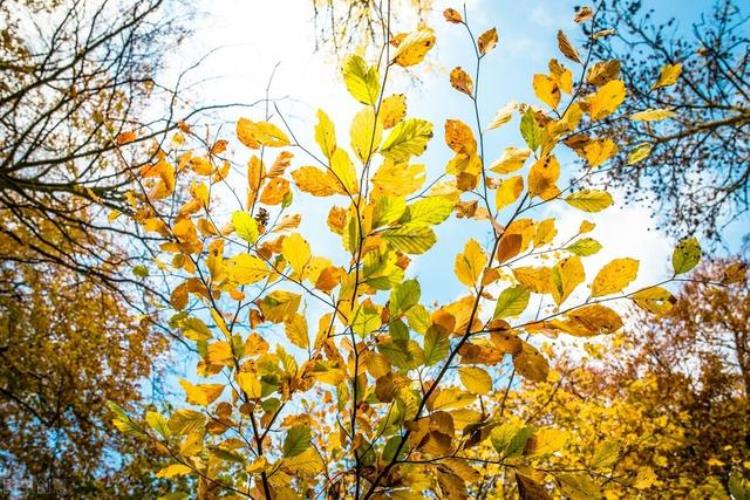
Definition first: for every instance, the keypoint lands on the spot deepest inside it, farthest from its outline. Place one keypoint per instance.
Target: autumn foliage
(320, 364)
(324, 373)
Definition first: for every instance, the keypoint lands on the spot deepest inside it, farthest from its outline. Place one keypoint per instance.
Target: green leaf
(686, 255)
(362, 82)
(584, 247)
(388, 210)
(245, 226)
(739, 487)
(532, 133)
(403, 297)
(428, 211)
(590, 200)
(436, 345)
(512, 302)
(297, 440)
(510, 438)
(410, 239)
(141, 271)
(158, 423)
(408, 138)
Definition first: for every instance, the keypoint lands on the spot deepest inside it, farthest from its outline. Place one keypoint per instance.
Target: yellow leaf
(249, 384)
(566, 276)
(279, 305)
(392, 110)
(475, 379)
(366, 134)
(413, 48)
(308, 463)
(397, 179)
(640, 153)
(245, 226)
(546, 440)
(362, 82)
(487, 41)
(296, 251)
(461, 81)
(530, 364)
(545, 232)
(508, 192)
(275, 191)
(460, 138)
(470, 263)
(614, 277)
(247, 269)
(668, 75)
(655, 299)
(325, 134)
(536, 279)
(503, 115)
(547, 90)
(645, 478)
(606, 100)
(219, 353)
(598, 151)
(256, 134)
(587, 321)
(512, 159)
(590, 200)
(342, 169)
(201, 394)
(452, 398)
(453, 16)
(562, 76)
(296, 331)
(652, 115)
(316, 181)
(543, 176)
(174, 470)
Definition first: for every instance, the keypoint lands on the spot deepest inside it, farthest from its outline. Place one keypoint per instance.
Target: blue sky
(255, 36)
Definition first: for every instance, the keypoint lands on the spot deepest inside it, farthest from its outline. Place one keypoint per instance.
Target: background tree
(77, 79)
(661, 408)
(692, 162)
(68, 345)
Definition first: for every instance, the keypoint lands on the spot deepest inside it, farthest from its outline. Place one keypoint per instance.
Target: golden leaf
(461, 81)
(508, 192)
(392, 110)
(296, 251)
(606, 100)
(470, 263)
(543, 177)
(547, 90)
(668, 75)
(512, 159)
(475, 379)
(567, 48)
(201, 394)
(256, 134)
(413, 48)
(614, 276)
(487, 41)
